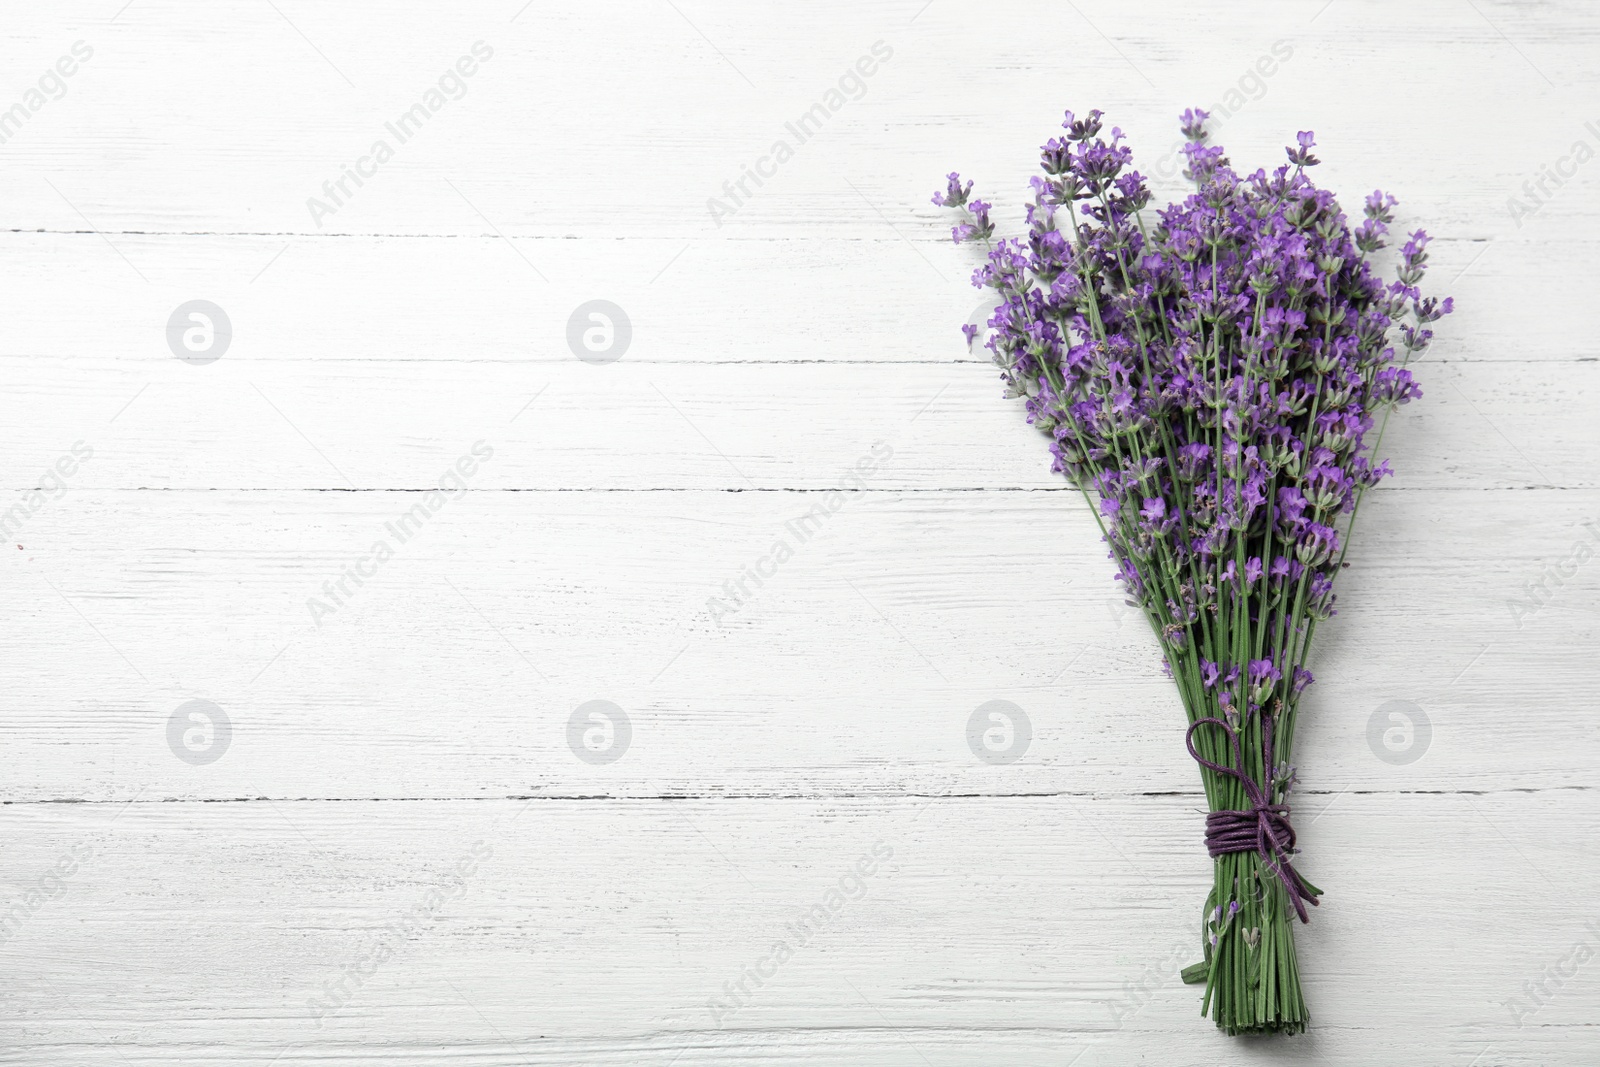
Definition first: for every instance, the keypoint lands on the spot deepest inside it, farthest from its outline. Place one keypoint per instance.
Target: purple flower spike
(1214, 375)
(1301, 156)
(955, 193)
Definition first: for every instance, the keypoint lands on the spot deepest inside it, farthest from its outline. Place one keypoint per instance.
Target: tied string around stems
(1262, 828)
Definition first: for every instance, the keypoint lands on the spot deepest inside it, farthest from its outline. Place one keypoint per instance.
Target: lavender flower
(1217, 378)
(955, 193)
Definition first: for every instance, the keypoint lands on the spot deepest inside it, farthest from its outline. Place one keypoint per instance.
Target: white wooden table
(372, 842)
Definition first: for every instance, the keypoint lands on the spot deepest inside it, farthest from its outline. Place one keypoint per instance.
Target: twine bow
(1263, 827)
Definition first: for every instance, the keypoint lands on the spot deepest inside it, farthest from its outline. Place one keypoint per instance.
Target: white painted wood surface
(398, 782)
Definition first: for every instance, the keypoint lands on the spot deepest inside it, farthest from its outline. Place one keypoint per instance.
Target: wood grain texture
(851, 671)
(990, 929)
(401, 777)
(938, 425)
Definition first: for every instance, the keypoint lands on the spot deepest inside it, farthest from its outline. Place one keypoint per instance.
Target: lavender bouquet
(1213, 377)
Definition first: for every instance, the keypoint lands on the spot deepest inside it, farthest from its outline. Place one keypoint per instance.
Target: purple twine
(1262, 828)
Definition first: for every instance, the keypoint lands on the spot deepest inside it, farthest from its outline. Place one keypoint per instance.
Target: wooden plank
(1028, 930)
(689, 298)
(852, 668)
(620, 120)
(572, 426)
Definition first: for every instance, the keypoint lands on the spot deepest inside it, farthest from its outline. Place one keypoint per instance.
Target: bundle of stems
(1211, 381)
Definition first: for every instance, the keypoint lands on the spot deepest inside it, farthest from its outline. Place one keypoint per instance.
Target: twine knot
(1263, 827)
